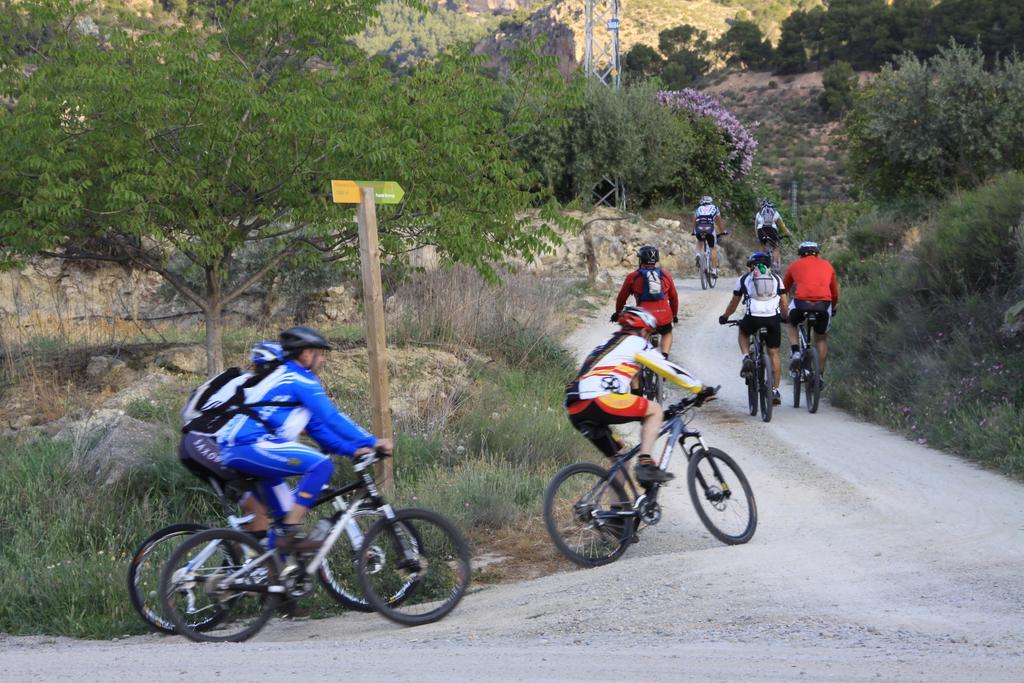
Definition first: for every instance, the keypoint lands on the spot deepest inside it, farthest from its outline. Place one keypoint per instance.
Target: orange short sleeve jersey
(814, 279)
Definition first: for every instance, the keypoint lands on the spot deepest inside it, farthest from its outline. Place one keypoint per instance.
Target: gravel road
(875, 558)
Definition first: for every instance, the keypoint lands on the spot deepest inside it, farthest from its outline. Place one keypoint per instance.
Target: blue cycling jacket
(334, 431)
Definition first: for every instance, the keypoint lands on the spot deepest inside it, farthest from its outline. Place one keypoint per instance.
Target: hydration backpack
(763, 285)
(213, 403)
(653, 290)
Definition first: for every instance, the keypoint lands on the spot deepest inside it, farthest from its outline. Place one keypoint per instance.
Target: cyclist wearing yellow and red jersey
(600, 395)
(814, 281)
(654, 291)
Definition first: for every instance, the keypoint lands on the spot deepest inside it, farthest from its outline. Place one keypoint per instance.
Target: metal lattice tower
(601, 61)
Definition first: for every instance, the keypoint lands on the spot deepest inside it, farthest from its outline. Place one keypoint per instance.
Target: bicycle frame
(343, 518)
(677, 430)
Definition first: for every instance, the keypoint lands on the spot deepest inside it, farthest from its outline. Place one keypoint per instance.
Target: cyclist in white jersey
(767, 222)
(765, 297)
(707, 219)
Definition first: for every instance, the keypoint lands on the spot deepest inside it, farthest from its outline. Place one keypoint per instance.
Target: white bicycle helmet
(266, 352)
(706, 200)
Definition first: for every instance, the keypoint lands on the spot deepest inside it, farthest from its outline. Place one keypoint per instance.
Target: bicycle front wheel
(339, 573)
(812, 379)
(722, 496)
(581, 506)
(220, 572)
(144, 576)
(420, 549)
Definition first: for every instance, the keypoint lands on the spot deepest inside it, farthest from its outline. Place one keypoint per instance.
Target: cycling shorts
(591, 418)
(201, 456)
(767, 234)
(751, 324)
(272, 459)
(706, 236)
(663, 329)
(798, 310)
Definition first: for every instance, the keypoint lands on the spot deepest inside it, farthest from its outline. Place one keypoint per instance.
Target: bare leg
(252, 506)
(666, 343)
(776, 367)
(714, 256)
(791, 332)
(651, 425)
(744, 343)
(821, 341)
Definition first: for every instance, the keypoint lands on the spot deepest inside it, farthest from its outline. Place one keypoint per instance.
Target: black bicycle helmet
(759, 257)
(648, 254)
(806, 248)
(295, 339)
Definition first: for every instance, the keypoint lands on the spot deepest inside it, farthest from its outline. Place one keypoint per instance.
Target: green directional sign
(384, 191)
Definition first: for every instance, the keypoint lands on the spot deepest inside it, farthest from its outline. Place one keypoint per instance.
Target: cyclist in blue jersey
(264, 442)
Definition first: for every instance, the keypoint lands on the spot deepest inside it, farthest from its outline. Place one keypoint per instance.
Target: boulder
(190, 359)
(125, 444)
(107, 370)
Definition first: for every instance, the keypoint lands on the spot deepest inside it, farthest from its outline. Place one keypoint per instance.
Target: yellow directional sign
(345, 192)
(384, 191)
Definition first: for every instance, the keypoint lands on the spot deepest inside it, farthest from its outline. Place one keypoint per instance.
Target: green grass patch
(921, 344)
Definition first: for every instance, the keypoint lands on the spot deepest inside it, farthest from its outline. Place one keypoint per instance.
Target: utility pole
(601, 62)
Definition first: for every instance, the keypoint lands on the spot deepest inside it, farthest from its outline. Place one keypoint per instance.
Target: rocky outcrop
(559, 24)
(125, 444)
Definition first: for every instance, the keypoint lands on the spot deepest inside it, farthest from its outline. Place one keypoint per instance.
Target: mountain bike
(770, 240)
(761, 379)
(651, 386)
(708, 276)
(413, 567)
(337, 573)
(809, 371)
(594, 514)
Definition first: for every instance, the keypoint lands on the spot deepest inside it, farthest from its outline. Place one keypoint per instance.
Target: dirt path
(875, 558)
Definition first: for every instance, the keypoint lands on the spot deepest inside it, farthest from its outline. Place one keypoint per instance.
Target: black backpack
(213, 403)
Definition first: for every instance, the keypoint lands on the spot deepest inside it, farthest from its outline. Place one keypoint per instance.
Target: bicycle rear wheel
(765, 377)
(796, 384)
(144, 576)
(812, 380)
(581, 506)
(221, 572)
(420, 549)
(752, 398)
(704, 279)
(722, 496)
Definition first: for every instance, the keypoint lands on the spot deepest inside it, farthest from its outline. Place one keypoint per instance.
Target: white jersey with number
(614, 363)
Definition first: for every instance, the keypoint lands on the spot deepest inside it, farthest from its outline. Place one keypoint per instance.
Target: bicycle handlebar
(696, 401)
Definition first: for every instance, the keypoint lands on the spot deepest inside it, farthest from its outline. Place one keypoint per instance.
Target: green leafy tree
(744, 45)
(686, 51)
(925, 127)
(840, 84)
(642, 62)
(205, 156)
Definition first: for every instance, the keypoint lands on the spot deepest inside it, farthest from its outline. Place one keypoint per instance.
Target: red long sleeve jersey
(664, 310)
(815, 280)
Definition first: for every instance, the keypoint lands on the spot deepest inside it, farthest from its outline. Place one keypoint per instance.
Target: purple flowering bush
(739, 138)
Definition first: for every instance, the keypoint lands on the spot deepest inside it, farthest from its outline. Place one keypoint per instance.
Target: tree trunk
(214, 322)
(214, 341)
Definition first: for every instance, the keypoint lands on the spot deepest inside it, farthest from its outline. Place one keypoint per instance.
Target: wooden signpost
(367, 194)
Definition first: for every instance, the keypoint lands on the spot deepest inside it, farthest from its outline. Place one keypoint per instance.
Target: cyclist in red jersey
(816, 289)
(654, 292)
